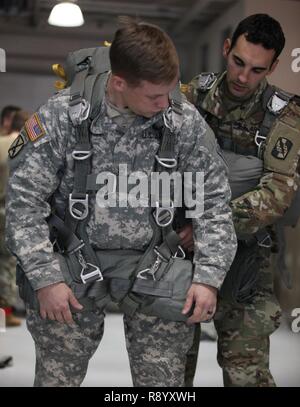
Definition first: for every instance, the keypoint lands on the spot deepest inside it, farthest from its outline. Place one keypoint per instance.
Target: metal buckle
(96, 272)
(76, 213)
(276, 104)
(80, 246)
(140, 274)
(87, 276)
(81, 154)
(152, 270)
(180, 254)
(78, 111)
(258, 139)
(266, 245)
(166, 162)
(163, 212)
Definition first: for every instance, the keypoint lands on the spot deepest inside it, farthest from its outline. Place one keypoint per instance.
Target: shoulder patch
(16, 146)
(34, 128)
(282, 148)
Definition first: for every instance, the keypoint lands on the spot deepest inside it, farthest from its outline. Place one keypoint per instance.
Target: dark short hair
(261, 29)
(142, 51)
(19, 120)
(7, 111)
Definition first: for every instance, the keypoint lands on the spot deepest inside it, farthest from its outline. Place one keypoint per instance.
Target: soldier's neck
(114, 97)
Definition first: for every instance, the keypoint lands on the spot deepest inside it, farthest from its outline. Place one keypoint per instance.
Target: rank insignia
(34, 128)
(16, 146)
(282, 148)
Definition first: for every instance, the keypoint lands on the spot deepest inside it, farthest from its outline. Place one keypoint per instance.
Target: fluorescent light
(66, 14)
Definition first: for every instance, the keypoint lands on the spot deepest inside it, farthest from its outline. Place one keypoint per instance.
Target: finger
(183, 234)
(59, 317)
(186, 241)
(68, 316)
(43, 314)
(196, 316)
(50, 315)
(207, 315)
(188, 304)
(73, 301)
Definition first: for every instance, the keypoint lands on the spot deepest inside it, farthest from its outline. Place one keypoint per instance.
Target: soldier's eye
(238, 62)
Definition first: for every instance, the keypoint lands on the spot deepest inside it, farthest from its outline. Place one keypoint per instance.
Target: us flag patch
(34, 128)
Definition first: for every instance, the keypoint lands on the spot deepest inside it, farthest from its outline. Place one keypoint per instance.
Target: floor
(109, 366)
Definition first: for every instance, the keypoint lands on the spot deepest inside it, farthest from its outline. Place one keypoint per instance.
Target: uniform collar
(213, 102)
(102, 123)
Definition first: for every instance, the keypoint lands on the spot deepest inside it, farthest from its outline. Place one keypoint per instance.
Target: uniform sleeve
(35, 163)
(268, 202)
(214, 235)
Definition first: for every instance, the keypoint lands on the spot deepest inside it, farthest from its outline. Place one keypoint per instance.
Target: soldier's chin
(237, 90)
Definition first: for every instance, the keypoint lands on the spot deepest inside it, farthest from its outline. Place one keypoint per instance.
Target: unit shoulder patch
(16, 146)
(34, 128)
(282, 148)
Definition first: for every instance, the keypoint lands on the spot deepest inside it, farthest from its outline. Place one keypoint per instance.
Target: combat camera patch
(282, 148)
(34, 128)
(16, 146)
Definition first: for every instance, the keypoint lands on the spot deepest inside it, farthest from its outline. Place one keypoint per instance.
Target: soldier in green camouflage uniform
(235, 109)
(122, 132)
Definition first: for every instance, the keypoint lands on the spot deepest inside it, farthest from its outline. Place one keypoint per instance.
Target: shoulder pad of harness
(275, 100)
(205, 81)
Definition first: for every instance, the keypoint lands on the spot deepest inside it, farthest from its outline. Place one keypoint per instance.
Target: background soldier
(251, 118)
(13, 120)
(123, 130)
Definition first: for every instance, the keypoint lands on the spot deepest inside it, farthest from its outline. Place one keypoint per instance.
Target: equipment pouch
(164, 296)
(240, 282)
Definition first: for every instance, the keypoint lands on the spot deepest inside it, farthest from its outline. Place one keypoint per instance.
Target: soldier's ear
(273, 67)
(118, 83)
(226, 47)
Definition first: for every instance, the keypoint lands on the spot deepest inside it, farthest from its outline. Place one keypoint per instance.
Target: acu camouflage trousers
(243, 336)
(8, 286)
(157, 349)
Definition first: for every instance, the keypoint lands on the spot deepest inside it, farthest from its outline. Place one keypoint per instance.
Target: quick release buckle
(164, 215)
(83, 210)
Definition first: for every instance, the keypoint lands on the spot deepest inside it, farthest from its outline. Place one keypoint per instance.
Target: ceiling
(31, 43)
(175, 16)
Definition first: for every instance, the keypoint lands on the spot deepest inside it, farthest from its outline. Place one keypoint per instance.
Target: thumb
(73, 301)
(188, 304)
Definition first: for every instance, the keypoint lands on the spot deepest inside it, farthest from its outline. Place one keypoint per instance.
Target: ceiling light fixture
(66, 14)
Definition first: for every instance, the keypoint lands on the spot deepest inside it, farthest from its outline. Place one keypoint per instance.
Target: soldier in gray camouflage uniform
(145, 69)
(235, 105)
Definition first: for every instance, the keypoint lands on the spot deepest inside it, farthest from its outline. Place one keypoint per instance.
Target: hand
(186, 236)
(54, 302)
(205, 299)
